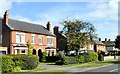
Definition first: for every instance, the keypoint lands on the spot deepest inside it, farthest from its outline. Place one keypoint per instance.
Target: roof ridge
(25, 22)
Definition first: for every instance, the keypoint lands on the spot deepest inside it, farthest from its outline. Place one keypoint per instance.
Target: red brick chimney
(56, 30)
(48, 26)
(6, 15)
(99, 39)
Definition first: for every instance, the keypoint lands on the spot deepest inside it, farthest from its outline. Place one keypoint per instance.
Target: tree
(78, 33)
(30, 47)
(117, 42)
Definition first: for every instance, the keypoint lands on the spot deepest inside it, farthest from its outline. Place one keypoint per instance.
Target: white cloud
(4, 5)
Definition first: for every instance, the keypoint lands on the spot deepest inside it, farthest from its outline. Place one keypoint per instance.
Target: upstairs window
(40, 40)
(50, 40)
(23, 38)
(17, 38)
(33, 39)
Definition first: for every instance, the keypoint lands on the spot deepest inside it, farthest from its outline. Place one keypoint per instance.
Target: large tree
(117, 42)
(78, 33)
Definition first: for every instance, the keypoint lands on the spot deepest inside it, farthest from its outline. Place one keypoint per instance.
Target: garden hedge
(24, 62)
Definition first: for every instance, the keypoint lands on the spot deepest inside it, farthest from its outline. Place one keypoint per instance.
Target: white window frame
(20, 41)
(17, 40)
(16, 51)
(32, 35)
(23, 38)
(52, 41)
(39, 40)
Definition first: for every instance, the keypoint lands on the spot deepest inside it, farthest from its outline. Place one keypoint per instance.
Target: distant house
(110, 45)
(16, 34)
(61, 39)
(99, 46)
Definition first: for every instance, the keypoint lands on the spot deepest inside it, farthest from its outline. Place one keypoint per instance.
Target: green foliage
(92, 56)
(71, 60)
(30, 48)
(78, 33)
(62, 61)
(100, 57)
(17, 69)
(80, 58)
(7, 64)
(42, 56)
(24, 61)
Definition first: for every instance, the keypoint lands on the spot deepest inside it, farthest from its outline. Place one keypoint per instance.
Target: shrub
(80, 59)
(100, 57)
(71, 60)
(26, 62)
(7, 64)
(91, 56)
(42, 56)
(62, 61)
(17, 69)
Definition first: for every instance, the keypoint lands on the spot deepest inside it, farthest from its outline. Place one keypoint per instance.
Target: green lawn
(37, 69)
(97, 64)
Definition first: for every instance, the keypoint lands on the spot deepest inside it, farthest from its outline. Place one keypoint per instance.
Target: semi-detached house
(16, 34)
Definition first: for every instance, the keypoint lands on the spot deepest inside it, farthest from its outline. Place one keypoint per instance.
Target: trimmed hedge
(24, 62)
(86, 57)
(7, 64)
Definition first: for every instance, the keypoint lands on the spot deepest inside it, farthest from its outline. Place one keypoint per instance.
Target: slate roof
(98, 42)
(109, 43)
(28, 27)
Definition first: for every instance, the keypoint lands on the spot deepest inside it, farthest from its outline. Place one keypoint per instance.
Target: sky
(103, 14)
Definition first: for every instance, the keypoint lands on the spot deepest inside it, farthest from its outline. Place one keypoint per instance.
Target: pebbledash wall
(16, 40)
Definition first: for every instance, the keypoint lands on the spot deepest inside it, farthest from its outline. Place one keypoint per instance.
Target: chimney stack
(6, 15)
(48, 26)
(105, 39)
(56, 30)
(99, 39)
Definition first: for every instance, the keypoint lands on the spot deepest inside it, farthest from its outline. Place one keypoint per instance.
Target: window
(50, 40)
(16, 51)
(48, 52)
(23, 52)
(0, 38)
(33, 39)
(52, 52)
(17, 38)
(40, 40)
(23, 38)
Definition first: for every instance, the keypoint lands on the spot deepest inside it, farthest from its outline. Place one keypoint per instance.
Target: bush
(29, 62)
(26, 62)
(62, 61)
(71, 60)
(42, 57)
(7, 64)
(17, 69)
(80, 59)
(100, 57)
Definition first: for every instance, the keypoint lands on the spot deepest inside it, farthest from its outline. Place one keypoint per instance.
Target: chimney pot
(99, 39)
(105, 39)
(56, 30)
(6, 15)
(48, 26)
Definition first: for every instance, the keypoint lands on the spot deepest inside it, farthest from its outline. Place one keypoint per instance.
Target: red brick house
(16, 34)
